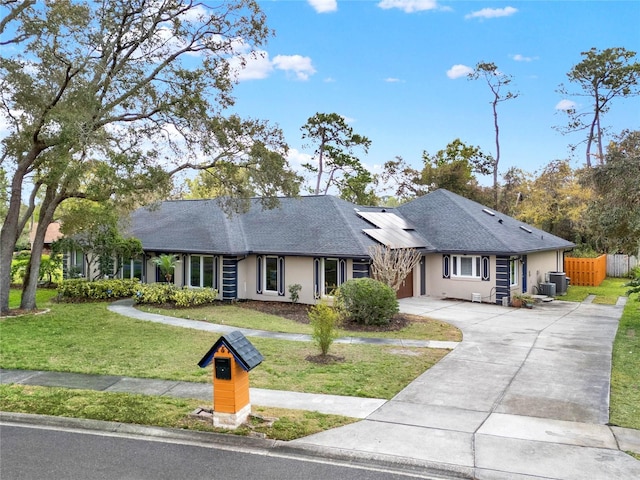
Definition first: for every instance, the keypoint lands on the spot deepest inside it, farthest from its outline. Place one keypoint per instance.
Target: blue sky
(389, 67)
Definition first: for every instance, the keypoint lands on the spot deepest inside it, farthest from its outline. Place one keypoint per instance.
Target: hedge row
(166, 293)
(155, 293)
(79, 289)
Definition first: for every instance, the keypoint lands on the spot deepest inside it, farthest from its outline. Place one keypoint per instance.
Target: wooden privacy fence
(620, 265)
(586, 271)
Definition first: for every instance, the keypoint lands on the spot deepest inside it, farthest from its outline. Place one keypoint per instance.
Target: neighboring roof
(247, 356)
(440, 221)
(454, 224)
(52, 234)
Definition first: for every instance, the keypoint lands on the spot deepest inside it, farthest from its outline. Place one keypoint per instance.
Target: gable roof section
(454, 224)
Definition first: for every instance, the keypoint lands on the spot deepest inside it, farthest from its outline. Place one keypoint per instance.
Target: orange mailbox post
(233, 357)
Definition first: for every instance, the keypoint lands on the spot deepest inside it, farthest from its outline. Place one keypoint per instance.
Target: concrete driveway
(525, 395)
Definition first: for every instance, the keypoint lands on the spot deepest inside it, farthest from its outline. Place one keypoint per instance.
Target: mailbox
(223, 368)
(232, 356)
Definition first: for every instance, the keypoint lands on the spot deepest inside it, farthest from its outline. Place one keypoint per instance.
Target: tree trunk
(497, 159)
(9, 236)
(30, 284)
(320, 164)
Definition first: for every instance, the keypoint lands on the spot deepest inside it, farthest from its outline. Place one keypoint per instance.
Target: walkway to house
(125, 307)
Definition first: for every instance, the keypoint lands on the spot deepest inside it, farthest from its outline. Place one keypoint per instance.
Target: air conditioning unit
(548, 289)
(560, 279)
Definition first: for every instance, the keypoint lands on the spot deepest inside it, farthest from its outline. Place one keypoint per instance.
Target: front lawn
(87, 338)
(158, 411)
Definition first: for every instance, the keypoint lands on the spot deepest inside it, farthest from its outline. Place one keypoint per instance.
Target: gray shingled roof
(313, 226)
(242, 350)
(329, 226)
(454, 224)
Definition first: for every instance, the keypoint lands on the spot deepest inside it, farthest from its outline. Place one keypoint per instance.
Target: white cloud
(324, 6)
(392, 80)
(409, 6)
(566, 105)
(492, 12)
(299, 65)
(458, 71)
(329, 80)
(251, 66)
(297, 158)
(521, 58)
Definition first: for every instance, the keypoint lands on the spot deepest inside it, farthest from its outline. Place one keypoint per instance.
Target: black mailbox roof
(242, 350)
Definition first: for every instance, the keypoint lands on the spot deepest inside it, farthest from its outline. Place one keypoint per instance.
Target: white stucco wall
(460, 288)
(297, 270)
(539, 264)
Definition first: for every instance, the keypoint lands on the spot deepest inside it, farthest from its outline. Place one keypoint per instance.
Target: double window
(132, 268)
(203, 271)
(329, 274)
(465, 266)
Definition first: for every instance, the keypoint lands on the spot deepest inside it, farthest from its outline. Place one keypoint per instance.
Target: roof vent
(522, 227)
(488, 212)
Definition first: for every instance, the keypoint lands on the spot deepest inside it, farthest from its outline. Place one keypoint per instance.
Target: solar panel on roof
(386, 220)
(395, 238)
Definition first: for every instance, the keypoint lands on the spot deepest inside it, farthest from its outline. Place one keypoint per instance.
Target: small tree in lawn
(323, 320)
(167, 265)
(391, 266)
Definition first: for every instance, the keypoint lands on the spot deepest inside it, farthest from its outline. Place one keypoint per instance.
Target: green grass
(43, 296)
(625, 374)
(156, 411)
(88, 338)
(421, 329)
(606, 293)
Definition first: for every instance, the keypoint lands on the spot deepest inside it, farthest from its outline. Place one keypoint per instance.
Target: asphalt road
(30, 452)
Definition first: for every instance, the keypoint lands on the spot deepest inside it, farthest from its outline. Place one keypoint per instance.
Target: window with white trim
(465, 266)
(514, 271)
(202, 271)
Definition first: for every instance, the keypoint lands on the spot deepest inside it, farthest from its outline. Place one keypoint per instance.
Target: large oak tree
(109, 100)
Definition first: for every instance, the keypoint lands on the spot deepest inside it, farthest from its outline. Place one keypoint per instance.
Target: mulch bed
(300, 313)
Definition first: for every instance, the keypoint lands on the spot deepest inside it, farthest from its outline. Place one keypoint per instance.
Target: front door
(406, 287)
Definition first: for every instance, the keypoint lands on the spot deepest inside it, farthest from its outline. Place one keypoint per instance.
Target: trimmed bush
(167, 293)
(323, 320)
(367, 301)
(79, 289)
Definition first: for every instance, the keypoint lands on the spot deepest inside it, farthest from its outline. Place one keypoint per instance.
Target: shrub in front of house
(79, 289)
(169, 294)
(367, 301)
(323, 320)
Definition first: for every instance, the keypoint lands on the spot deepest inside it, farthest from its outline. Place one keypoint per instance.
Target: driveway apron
(525, 395)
